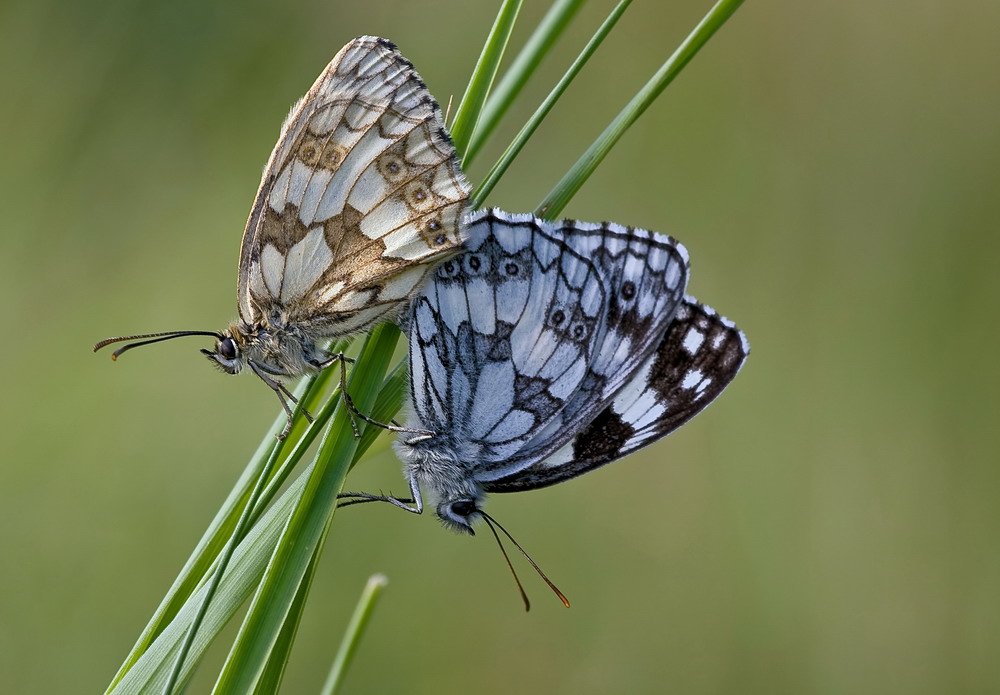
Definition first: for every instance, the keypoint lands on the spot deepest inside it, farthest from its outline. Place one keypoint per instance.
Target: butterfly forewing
(696, 359)
(362, 193)
(501, 337)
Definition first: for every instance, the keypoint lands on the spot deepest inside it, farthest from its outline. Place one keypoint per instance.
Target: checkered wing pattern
(361, 196)
(501, 336)
(698, 356)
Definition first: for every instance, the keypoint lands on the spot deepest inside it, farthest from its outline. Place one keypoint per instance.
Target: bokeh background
(831, 525)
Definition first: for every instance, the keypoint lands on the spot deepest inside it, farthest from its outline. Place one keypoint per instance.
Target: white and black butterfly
(362, 195)
(547, 350)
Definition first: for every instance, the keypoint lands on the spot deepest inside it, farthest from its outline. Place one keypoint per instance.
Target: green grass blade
(309, 390)
(152, 673)
(270, 679)
(217, 534)
(352, 635)
(238, 532)
(547, 32)
(306, 527)
(151, 670)
(521, 139)
(320, 418)
(213, 584)
(195, 568)
(469, 109)
(387, 405)
(557, 199)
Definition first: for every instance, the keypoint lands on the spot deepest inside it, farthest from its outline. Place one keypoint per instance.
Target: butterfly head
(459, 514)
(228, 355)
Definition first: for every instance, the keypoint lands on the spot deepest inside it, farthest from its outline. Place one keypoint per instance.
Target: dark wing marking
(697, 358)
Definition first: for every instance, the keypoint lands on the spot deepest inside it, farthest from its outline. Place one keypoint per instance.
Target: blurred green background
(829, 526)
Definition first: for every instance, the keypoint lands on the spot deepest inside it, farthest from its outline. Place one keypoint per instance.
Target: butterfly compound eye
(463, 507)
(227, 349)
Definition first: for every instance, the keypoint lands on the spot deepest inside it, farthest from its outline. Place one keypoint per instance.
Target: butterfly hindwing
(698, 356)
(362, 193)
(501, 336)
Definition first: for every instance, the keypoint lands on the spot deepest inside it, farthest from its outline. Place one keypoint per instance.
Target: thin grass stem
(521, 139)
(548, 31)
(470, 108)
(352, 635)
(567, 187)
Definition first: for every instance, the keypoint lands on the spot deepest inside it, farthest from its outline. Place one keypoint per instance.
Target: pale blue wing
(645, 275)
(501, 336)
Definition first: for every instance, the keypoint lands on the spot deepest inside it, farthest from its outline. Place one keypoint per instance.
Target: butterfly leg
(332, 360)
(421, 435)
(348, 401)
(290, 396)
(283, 395)
(401, 502)
(351, 409)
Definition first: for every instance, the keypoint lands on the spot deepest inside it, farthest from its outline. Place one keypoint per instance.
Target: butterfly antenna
(524, 596)
(490, 521)
(156, 338)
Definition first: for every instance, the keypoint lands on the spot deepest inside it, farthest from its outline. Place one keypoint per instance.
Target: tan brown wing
(362, 193)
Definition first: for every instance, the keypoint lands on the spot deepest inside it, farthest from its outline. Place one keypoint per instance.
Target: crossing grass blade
(148, 672)
(521, 139)
(202, 558)
(151, 670)
(556, 200)
(470, 108)
(548, 31)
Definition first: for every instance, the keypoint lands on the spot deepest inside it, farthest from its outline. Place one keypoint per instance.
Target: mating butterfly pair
(541, 351)
(546, 350)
